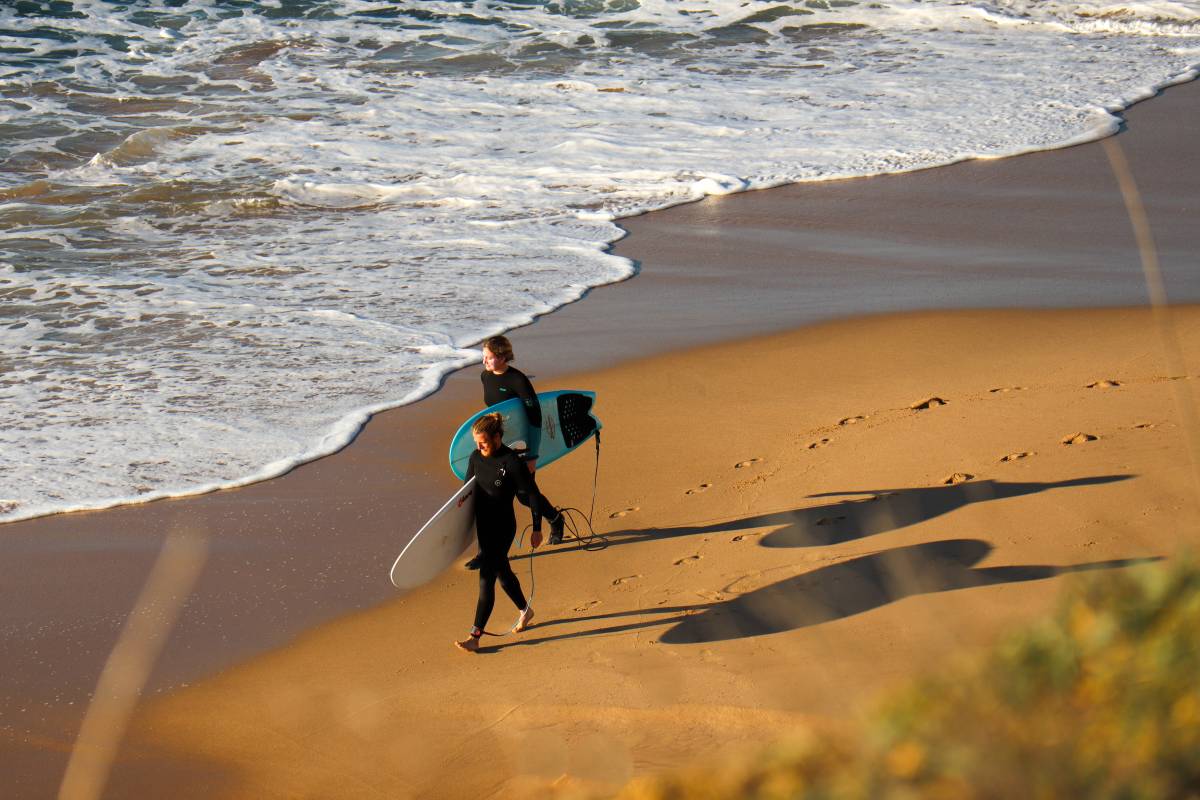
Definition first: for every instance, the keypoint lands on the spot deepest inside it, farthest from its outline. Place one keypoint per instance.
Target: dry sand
(756, 577)
(780, 543)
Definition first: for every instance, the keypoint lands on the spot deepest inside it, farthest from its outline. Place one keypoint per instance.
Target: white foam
(309, 224)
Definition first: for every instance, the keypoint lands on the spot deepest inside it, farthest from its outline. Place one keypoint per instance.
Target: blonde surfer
(500, 476)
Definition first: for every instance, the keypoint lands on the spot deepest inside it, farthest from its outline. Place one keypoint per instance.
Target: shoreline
(692, 225)
(1118, 293)
(716, 277)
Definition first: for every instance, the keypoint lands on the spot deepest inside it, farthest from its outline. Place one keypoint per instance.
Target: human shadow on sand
(862, 584)
(826, 594)
(860, 513)
(875, 511)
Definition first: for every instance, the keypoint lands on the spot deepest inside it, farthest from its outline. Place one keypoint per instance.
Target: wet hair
(489, 425)
(501, 347)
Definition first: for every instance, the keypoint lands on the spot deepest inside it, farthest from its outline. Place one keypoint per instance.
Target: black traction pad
(576, 423)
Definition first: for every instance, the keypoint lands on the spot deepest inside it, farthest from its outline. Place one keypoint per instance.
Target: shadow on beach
(826, 594)
(860, 514)
(861, 584)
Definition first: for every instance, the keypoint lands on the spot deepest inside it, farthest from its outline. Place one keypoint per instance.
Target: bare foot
(524, 620)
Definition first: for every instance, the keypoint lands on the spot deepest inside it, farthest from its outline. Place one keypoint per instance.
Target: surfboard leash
(591, 540)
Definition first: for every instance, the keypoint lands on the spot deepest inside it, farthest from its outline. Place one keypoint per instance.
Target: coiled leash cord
(574, 522)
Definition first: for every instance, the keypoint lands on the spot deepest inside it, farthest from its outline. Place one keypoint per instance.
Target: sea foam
(234, 230)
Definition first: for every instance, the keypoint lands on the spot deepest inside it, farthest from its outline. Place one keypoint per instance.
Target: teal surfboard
(567, 422)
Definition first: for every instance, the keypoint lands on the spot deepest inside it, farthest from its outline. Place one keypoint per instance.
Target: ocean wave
(234, 229)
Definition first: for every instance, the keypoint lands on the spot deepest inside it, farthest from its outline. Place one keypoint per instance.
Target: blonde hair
(489, 425)
(501, 347)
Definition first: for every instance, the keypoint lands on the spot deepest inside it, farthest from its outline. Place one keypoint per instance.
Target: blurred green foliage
(1100, 701)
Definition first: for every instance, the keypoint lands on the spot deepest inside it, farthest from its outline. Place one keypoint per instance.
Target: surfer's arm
(489, 392)
(533, 412)
(528, 486)
(534, 442)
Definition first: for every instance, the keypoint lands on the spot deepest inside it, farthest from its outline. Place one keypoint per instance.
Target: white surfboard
(439, 542)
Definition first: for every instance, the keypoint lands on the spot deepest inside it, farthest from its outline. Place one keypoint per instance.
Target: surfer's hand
(532, 464)
(535, 539)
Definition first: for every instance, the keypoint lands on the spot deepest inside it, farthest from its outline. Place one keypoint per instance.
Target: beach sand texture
(792, 522)
(755, 579)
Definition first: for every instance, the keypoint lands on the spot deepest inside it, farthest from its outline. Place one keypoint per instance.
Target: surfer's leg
(512, 586)
(489, 570)
(487, 592)
(550, 512)
(556, 524)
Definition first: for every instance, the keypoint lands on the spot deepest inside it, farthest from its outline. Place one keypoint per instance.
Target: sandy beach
(853, 431)
(750, 581)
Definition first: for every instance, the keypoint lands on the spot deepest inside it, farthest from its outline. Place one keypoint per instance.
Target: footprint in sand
(957, 477)
(701, 488)
(1017, 456)
(1144, 425)
(687, 560)
(626, 579)
(743, 536)
(818, 443)
(623, 512)
(1007, 389)
(588, 606)
(829, 520)
(1079, 438)
(748, 462)
(851, 420)
(927, 403)
(1105, 384)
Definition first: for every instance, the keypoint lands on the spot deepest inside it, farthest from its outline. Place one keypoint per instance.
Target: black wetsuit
(498, 479)
(505, 386)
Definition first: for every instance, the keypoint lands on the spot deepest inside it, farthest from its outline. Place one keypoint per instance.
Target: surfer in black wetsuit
(499, 476)
(502, 381)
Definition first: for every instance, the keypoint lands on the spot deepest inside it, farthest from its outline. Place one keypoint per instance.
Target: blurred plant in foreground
(1100, 701)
